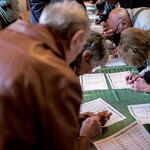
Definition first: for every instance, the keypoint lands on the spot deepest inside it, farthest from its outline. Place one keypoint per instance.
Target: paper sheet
(112, 61)
(132, 137)
(92, 16)
(117, 80)
(99, 105)
(140, 112)
(88, 4)
(90, 8)
(89, 12)
(96, 28)
(91, 82)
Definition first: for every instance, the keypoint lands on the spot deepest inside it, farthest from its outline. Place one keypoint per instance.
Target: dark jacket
(125, 4)
(134, 3)
(36, 7)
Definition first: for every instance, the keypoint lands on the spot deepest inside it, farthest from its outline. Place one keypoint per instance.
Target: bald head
(119, 17)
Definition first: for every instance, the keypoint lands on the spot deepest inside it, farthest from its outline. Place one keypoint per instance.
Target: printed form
(112, 61)
(91, 82)
(140, 112)
(100, 105)
(117, 80)
(132, 137)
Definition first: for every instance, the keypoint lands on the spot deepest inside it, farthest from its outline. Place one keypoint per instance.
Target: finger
(132, 87)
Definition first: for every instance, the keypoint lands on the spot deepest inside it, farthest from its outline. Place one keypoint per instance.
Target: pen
(131, 73)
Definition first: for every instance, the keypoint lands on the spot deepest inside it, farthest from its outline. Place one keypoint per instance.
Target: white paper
(96, 28)
(117, 80)
(140, 112)
(112, 61)
(90, 8)
(88, 4)
(100, 105)
(89, 12)
(132, 137)
(93, 16)
(91, 82)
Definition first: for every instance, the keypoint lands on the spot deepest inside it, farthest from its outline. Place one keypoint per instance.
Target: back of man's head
(98, 47)
(65, 18)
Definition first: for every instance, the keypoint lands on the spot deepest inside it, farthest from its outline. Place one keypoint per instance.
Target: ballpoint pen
(131, 73)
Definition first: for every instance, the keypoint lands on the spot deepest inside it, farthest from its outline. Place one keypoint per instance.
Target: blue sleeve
(36, 7)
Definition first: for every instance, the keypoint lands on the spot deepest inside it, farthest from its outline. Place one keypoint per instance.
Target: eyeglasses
(114, 32)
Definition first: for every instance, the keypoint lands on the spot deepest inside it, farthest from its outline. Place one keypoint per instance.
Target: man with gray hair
(40, 95)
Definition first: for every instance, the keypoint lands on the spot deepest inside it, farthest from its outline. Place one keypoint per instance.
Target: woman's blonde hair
(134, 46)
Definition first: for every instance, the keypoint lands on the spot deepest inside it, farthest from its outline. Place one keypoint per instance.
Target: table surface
(119, 99)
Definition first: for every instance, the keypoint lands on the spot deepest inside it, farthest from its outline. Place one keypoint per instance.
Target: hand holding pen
(132, 77)
(131, 73)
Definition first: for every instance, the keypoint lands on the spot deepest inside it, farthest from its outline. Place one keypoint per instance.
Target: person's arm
(67, 102)
(107, 9)
(36, 7)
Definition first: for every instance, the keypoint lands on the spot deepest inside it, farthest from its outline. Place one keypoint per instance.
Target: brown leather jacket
(39, 94)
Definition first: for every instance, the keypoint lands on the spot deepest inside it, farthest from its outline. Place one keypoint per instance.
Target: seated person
(93, 54)
(121, 19)
(134, 49)
(9, 12)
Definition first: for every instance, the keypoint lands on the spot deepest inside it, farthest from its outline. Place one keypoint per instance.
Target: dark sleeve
(145, 3)
(127, 3)
(36, 7)
(107, 9)
(101, 6)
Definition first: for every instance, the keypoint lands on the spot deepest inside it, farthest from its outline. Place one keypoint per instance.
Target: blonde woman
(134, 49)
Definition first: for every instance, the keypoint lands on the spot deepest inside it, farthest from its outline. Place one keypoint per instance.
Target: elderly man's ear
(86, 55)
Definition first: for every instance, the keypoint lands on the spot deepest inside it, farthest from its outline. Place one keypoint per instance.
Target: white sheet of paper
(100, 105)
(93, 16)
(89, 8)
(112, 61)
(117, 80)
(91, 82)
(89, 12)
(140, 112)
(132, 137)
(88, 4)
(96, 28)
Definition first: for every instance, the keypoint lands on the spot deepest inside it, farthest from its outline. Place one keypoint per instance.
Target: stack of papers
(90, 8)
(100, 105)
(140, 112)
(93, 16)
(112, 61)
(117, 80)
(93, 82)
(132, 137)
(96, 28)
